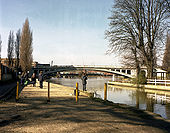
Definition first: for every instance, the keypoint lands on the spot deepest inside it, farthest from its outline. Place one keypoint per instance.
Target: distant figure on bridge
(84, 81)
(33, 79)
(40, 78)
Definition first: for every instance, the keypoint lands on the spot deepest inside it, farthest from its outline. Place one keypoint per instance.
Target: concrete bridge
(52, 70)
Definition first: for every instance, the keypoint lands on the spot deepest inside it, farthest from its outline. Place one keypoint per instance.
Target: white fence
(158, 82)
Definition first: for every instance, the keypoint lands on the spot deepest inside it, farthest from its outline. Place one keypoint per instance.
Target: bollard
(76, 92)
(17, 92)
(48, 100)
(105, 91)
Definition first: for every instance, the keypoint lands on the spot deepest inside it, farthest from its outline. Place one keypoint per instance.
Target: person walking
(40, 78)
(22, 79)
(84, 81)
(26, 79)
(33, 79)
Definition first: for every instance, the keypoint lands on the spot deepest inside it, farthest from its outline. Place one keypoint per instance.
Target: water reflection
(150, 100)
(167, 108)
(93, 84)
(150, 104)
(140, 99)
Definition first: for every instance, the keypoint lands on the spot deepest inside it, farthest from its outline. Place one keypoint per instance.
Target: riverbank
(153, 87)
(62, 114)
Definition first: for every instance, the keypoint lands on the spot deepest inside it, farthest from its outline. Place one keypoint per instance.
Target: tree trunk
(137, 67)
(150, 67)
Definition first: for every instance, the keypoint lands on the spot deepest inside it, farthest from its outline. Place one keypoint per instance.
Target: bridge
(53, 70)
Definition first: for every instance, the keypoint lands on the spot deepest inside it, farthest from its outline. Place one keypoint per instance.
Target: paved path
(33, 114)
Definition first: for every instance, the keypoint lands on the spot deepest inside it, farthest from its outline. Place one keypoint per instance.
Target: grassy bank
(153, 87)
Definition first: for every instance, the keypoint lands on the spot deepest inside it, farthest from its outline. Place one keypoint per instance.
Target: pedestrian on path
(22, 79)
(84, 81)
(33, 79)
(40, 78)
(26, 79)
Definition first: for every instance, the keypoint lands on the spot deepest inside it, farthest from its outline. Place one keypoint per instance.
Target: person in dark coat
(26, 80)
(84, 82)
(40, 78)
(33, 79)
(22, 79)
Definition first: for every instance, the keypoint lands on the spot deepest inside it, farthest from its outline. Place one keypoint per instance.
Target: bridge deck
(74, 68)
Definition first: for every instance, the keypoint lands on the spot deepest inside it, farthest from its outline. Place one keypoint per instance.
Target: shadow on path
(90, 113)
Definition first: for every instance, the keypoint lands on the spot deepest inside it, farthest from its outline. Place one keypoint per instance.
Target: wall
(5, 73)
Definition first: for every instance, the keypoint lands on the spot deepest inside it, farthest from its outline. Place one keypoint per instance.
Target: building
(5, 73)
(5, 62)
(160, 74)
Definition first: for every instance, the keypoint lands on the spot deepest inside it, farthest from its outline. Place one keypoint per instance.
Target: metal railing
(158, 82)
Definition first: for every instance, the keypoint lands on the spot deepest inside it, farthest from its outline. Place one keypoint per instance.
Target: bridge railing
(158, 82)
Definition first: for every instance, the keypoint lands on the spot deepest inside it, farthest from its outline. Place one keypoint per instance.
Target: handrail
(158, 81)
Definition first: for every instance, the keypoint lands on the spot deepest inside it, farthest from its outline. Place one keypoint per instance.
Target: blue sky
(65, 31)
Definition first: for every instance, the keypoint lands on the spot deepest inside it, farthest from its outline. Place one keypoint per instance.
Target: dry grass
(62, 114)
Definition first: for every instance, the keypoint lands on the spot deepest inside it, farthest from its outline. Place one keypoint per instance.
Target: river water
(138, 98)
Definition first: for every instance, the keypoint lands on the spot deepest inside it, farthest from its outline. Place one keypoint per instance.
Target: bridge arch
(64, 69)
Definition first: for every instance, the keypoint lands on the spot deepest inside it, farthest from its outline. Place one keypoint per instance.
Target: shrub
(141, 79)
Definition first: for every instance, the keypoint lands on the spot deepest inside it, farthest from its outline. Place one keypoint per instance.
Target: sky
(67, 32)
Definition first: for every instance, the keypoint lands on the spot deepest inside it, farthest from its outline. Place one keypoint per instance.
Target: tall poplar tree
(26, 49)
(17, 45)
(166, 59)
(10, 50)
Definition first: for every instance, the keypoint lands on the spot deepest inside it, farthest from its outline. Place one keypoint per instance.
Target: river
(130, 96)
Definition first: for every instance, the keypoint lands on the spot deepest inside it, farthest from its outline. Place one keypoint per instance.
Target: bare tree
(143, 23)
(10, 50)
(17, 45)
(122, 35)
(26, 49)
(155, 14)
(166, 59)
(133, 59)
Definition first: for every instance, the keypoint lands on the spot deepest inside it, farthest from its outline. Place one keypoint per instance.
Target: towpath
(62, 114)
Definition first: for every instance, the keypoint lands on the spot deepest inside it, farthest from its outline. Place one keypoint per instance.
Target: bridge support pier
(113, 77)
